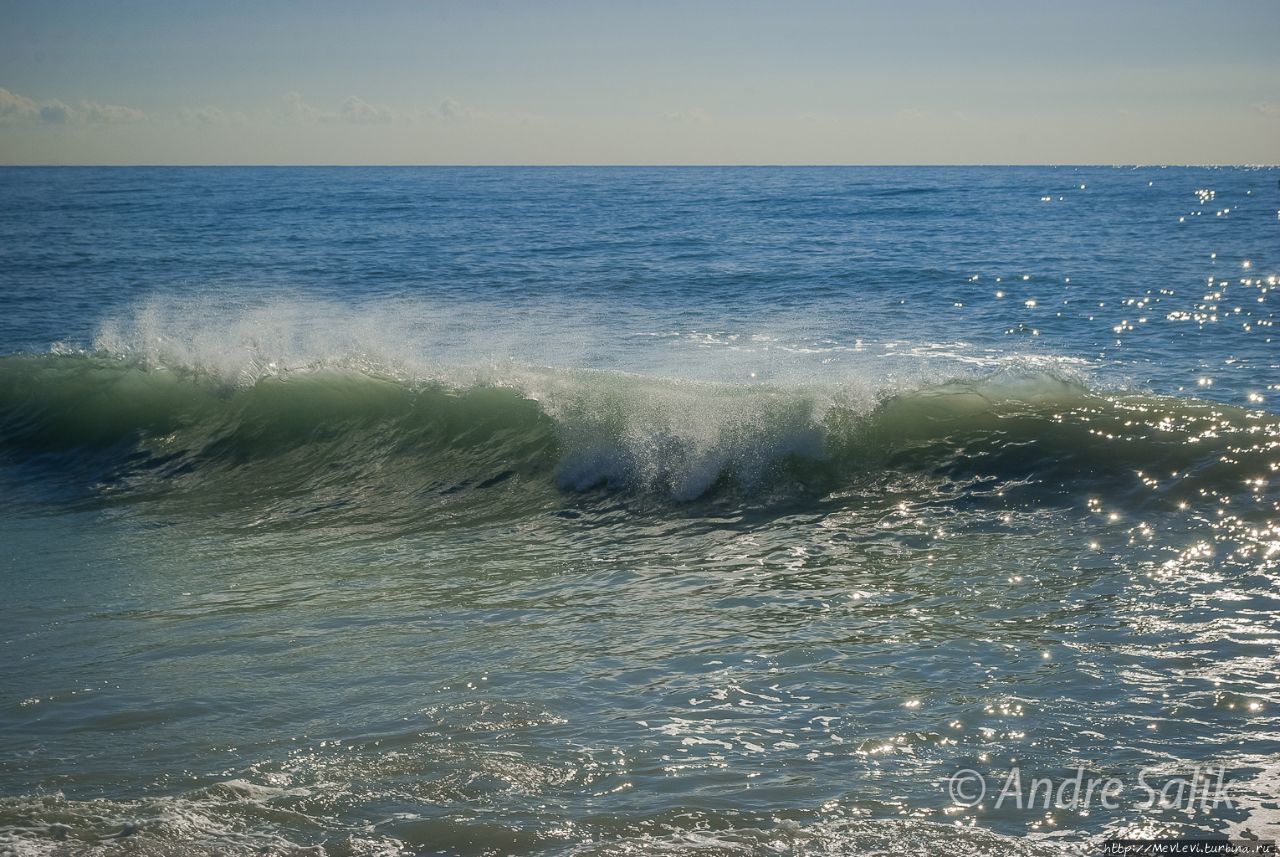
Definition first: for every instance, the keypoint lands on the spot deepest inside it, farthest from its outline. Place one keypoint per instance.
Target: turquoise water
(631, 511)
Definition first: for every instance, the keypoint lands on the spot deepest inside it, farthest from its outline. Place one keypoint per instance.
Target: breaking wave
(158, 428)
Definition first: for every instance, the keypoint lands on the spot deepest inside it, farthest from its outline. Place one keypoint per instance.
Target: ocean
(578, 511)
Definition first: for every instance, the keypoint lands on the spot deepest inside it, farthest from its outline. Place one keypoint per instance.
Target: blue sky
(653, 82)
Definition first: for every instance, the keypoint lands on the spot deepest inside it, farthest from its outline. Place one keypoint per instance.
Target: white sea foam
(676, 410)
(240, 341)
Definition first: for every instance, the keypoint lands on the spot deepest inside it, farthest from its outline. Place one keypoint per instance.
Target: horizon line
(664, 165)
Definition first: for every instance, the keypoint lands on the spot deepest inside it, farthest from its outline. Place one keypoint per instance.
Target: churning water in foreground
(596, 511)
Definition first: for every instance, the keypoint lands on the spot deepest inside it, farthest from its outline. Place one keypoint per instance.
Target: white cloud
(354, 110)
(1267, 108)
(210, 115)
(55, 113)
(296, 108)
(358, 110)
(14, 107)
(451, 108)
(92, 111)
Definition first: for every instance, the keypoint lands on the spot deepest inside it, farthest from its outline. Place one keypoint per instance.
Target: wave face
(153, 429)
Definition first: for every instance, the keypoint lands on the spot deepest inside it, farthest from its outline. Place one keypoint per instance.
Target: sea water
(630, 511)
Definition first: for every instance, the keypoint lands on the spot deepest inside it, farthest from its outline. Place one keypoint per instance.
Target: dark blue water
(726, 510)
(873, 253)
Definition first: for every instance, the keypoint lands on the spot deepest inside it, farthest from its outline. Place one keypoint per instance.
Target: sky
(797, 82)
